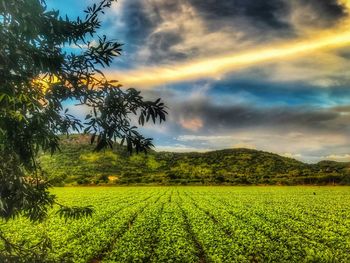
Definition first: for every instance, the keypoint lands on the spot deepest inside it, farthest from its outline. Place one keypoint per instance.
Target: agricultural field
(197, 224)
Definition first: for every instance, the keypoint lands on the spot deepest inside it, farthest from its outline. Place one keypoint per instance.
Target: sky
(267, 75)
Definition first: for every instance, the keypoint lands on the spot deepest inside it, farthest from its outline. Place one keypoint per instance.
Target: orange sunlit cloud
(214, 67)
(191, 124)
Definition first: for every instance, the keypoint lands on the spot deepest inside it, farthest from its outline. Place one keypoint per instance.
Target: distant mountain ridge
(78, 164)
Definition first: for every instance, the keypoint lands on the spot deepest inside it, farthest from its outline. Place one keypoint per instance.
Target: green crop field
(197, 224)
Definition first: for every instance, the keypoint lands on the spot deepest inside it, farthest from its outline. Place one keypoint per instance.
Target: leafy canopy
(37, 74)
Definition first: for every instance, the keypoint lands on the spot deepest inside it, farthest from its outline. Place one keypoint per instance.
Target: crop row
(197, 224)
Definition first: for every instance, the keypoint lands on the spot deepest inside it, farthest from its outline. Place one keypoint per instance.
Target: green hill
(78, 164)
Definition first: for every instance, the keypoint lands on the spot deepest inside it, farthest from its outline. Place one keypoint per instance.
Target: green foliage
(75, 212)
(21, 194)
(37, 75)
(77, 164)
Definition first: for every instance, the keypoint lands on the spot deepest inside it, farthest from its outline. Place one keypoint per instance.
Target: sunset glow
(213, 67)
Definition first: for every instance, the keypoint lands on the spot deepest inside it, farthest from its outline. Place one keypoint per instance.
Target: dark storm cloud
(227, 117)
(342, 109)
(270, 14)
(327, 12)
(138, 22)
(161, 42)
(254, 20)
(260, 12)
(289, 93)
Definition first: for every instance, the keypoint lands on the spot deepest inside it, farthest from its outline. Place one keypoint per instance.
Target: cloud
(284, 118)
(203, 138)
(244, 145)
(306, 146)
(179, 148)
(142, 18)
(339, 157)
(214, 67)
(227, 117)
(176, 35)
(224, 70)
(305, 132)
(292, 155)
(138, 22)
(308, 15)
(193, 124)
(344, 109)
(262, 13)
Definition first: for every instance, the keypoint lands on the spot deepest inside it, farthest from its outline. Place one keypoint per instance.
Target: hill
(78, 164)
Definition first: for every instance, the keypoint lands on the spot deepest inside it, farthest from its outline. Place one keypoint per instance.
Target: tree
(37, 74)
